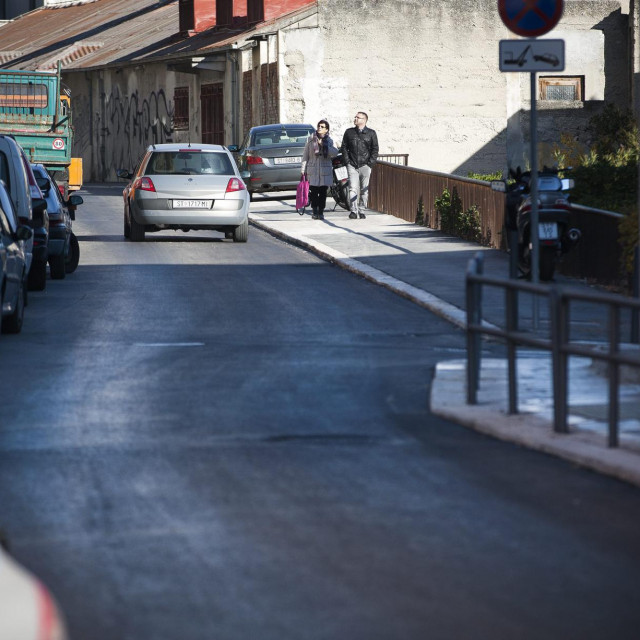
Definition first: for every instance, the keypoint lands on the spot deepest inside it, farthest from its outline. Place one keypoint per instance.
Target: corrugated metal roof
(105, 32)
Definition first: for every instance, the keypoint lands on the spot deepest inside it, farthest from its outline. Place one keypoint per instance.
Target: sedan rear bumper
(159, 211)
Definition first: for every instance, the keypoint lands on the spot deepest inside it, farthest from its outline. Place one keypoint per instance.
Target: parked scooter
(339, 190)
(555, 238)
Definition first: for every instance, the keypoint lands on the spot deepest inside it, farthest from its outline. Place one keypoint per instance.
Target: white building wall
(427, 74)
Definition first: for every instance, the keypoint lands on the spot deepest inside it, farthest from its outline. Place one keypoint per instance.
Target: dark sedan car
(270, 156)
(62, 247)
(13, 265)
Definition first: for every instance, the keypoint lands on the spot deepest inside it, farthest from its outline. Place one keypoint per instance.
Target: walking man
(360, 152)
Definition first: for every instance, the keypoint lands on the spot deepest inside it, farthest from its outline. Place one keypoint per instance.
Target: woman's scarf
(321, 145)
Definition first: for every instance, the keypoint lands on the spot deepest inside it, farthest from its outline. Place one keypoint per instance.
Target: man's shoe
(315, 216)
(321, 216)
(361, 216)
(353, 215)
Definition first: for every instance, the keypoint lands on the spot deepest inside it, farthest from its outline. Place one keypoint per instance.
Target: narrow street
(201, 439)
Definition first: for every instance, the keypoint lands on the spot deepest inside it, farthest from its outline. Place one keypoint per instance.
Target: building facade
(425, 71)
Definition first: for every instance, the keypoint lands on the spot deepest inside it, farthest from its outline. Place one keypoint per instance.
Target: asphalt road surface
(208, 440)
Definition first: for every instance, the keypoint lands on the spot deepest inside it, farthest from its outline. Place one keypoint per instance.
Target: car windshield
(189, 162)
(284, 136)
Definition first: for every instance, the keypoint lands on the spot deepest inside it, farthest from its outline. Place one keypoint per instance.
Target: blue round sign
(530, 18)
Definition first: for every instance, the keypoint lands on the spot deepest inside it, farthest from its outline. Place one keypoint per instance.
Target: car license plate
(548, 231)
(341, 173)
(192, 204)
(288, 160)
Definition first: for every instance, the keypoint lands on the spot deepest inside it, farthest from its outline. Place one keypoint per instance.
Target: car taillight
(254, 160)
(561, 203)
(144, 184)
(61, 189)
(235, 184)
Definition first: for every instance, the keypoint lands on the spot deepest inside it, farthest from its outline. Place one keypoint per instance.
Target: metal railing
(558, 343)
(401, 190)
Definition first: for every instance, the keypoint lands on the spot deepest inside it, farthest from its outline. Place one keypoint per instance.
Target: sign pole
(533, 189)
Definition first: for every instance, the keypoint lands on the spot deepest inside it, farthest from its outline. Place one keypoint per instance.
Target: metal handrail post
(635, 313)
(512, 350)
(614, 373)
(559, 359)
(472, 383)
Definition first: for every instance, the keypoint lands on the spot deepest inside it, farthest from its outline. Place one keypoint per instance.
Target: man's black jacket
(359, 147)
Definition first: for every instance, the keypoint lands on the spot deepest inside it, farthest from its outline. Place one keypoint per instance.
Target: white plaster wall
(427, 74)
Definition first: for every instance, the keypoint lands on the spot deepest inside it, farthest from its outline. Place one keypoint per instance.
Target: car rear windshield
(189, 163)
(285, 136)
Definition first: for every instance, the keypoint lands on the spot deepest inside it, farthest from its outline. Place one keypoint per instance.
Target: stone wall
(427, 74)
(118, 113)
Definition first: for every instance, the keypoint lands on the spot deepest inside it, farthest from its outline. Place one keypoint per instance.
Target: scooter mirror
(498, 185)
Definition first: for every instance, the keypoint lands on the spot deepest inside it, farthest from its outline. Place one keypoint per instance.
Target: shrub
(453, 219)
(606, 175)
(420, 211)
(487, 177)
(449, 207)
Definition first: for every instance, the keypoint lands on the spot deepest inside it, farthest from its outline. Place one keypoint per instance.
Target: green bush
(487, 177)
(454, 220)
(420, 211)
(606, 175)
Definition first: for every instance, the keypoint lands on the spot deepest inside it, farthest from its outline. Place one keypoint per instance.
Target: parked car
(63, 248)
(270, 157)
(13, 265)
(30, 207)
(177, 186)
(28, 611)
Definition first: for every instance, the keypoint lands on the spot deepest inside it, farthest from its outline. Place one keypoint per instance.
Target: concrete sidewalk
(429, 268)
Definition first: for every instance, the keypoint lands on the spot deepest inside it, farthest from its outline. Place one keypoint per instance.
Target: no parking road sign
(530, 18)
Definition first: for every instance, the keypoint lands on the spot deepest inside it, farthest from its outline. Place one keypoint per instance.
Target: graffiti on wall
(128, 125)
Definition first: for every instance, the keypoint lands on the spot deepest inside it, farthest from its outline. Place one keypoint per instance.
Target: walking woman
(316, 163)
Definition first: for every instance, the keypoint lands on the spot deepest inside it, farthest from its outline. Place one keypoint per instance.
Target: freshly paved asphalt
(429, 268)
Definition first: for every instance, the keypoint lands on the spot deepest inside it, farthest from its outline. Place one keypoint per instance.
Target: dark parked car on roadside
(13, 265)
(29, 205)
(270, 157)
(62, 247)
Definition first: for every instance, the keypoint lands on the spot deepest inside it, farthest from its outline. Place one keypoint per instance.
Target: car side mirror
(38, 206)
(234, 148)
(125, 174)
(75, 200)
(44, 184)
(24, 233)
(245, 175)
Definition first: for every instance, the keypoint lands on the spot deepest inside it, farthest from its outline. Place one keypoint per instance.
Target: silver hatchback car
(185, 187)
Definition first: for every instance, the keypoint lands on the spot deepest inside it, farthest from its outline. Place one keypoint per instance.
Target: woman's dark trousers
(318, 198)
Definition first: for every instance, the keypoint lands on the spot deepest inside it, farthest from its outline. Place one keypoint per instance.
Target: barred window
(561, 87)
(181, 108)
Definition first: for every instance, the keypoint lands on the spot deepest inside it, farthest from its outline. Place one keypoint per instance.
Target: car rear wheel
(37, 275)
(241, 232)
(71, 263)
(13, 323)
(137, 230)
(57, 267)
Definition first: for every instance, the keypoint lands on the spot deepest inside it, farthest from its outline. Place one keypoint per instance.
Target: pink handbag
(302, 194)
